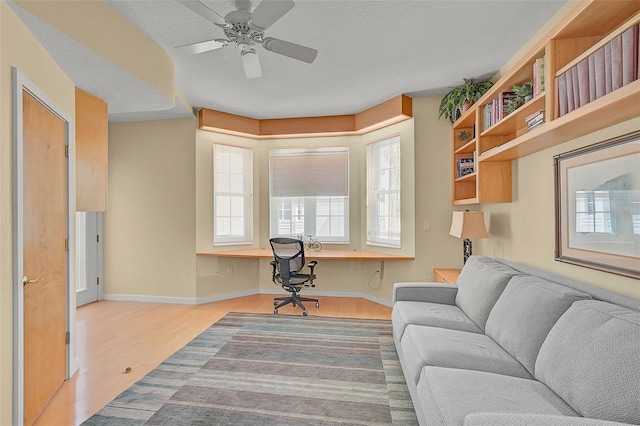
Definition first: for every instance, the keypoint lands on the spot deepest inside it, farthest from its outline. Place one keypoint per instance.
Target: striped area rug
(259, 369)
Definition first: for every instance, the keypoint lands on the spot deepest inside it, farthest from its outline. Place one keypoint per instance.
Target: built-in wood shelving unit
(587, 27)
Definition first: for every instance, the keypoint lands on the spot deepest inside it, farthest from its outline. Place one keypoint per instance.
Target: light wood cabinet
(586, 28)
(91, 152)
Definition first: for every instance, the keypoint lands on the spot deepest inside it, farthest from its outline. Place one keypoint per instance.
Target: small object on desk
(448, 276)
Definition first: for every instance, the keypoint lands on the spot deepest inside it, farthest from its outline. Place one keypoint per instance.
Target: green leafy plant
(464, 135)
(523, 93)
(470, 92)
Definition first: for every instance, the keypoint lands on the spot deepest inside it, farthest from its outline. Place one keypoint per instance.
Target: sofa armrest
(425, 292)
(509, 419)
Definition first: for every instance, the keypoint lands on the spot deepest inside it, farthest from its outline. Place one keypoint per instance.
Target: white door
(88, 257)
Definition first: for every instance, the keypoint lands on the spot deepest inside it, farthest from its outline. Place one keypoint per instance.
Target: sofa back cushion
(590, 359)
(525, 312)
(480, 283)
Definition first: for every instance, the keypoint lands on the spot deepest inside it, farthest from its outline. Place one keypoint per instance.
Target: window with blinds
(383, 192)
(309, 193)
(233, 194)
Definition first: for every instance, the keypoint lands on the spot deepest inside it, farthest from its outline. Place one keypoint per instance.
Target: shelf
(588, 26)
(613, 108)
(622, 28)
(515, 122)
(467, 178)
(467, 147)
(465, 201)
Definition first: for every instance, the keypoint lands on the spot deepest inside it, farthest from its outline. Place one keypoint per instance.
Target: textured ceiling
(369, 51)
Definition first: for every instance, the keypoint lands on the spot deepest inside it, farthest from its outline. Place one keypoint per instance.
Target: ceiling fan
(246, 28)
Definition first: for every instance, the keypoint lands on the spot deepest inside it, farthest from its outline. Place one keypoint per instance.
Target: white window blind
(309, 173)
(233, 194)
(309, 192)
(383, 192)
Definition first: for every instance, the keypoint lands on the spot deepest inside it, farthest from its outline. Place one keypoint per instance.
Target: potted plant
(523, 94)
(459, 98)
(464, 136)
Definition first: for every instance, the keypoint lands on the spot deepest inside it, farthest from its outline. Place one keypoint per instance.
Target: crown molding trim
(384, 114)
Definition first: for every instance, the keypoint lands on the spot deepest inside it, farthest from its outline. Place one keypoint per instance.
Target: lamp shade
(468, 224)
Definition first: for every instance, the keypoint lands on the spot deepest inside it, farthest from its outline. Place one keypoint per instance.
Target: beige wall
(20, 49)
(334, 276)
(523, 230)
(149, 228)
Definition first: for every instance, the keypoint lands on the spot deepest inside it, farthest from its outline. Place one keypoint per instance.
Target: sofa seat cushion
(480, 283)
(441, 347)
(590, 358)
(525, 312)
(508, 419)
(447, 396)
(429, 314)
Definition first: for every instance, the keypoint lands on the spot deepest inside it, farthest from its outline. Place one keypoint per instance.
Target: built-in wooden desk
(265, 253)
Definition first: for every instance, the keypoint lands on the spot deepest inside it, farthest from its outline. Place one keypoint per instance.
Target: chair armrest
(425, 292)
(312, 276)
(509, 419)
(273, 273)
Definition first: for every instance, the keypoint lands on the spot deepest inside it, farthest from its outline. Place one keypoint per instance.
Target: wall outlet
(229, 270)
(426, 225)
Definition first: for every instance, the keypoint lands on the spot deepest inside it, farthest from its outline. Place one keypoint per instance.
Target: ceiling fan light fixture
(251, 64)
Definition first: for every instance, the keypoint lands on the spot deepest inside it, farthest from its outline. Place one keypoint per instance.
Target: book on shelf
(532, 126)
(599, 72)
(616, 62)
(561, 96)
(592, 80)
(538, 76)
(609, 68)
(582, 80)
(569, 89)
(630, 55)
(503, 101)
(487, 116)
(535, 115)
(465, 166)
(497, 109)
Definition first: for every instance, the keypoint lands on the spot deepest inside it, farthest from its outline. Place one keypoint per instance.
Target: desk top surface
(264, 253)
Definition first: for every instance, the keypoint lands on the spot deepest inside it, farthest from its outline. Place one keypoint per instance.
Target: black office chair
(289, 260)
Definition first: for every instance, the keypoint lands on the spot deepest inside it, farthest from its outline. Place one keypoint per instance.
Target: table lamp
(468, 225)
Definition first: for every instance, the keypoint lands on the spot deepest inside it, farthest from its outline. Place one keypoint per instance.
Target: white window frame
(306, 205)
(223, 176)
(384, 217)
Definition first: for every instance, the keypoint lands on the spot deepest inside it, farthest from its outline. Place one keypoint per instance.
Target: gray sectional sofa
(514, 345)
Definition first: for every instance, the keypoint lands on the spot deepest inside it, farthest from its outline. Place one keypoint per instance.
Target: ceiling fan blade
(268, 12)
(251, 64)
(205, 12)
(292, 50)
(203, 46)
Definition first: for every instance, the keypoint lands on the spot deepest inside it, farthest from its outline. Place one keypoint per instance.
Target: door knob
(26, 280)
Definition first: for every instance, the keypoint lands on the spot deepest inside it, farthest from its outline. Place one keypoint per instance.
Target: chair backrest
(289, 249)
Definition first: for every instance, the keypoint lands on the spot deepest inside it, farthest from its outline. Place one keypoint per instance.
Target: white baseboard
(216, 298)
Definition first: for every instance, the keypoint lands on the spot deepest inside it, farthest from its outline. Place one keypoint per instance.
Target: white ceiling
(369, 51)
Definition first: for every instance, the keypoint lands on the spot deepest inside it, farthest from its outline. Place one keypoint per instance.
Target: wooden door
(45, 230)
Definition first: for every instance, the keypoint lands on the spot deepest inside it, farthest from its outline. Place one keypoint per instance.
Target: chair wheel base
(275, 312)
(305, 313)
(317, 304)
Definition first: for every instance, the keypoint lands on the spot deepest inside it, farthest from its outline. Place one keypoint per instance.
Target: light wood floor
(112, 336)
